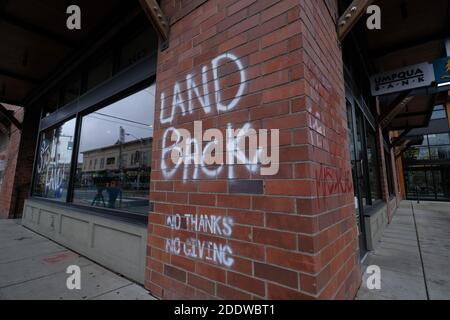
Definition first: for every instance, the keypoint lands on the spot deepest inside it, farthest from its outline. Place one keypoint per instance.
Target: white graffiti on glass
(184, 149)
(218, 253)
(49, 167)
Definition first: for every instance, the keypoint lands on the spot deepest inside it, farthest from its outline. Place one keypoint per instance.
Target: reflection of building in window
(121, 184)
(111, 153)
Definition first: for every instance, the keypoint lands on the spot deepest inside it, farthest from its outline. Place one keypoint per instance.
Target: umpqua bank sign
(407, 78)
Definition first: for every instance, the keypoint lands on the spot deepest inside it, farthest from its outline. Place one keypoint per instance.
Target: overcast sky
(135, 114)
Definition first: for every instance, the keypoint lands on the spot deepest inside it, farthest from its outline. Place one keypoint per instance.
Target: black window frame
(131, 80)
(361, 109)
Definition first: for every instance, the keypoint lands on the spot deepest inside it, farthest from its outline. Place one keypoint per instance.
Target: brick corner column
(229, 231)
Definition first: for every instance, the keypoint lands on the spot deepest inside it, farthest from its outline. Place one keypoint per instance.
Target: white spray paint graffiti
(211, 251)
(179, 103)
(187, 150)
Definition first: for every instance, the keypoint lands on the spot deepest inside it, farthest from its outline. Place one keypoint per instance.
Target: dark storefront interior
(427, 160)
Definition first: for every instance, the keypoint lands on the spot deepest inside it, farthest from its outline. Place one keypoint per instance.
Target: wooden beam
(351, 16)
(10, 117)
(157, 18)
(399, 140)
(395, 108)
(400, 149)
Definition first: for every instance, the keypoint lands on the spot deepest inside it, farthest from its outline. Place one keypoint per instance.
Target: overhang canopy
(413, 31)
(35, 41)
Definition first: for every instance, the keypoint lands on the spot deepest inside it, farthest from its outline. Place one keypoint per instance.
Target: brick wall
(9, 155)
(25, 159)
(288, 236)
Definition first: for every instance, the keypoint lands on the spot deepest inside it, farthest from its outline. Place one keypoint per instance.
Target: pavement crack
(420, 252)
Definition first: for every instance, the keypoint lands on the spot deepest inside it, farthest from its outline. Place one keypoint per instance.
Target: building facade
(100, 134)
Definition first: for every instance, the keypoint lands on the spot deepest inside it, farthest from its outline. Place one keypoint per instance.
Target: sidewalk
(414, 255)
(33, 267)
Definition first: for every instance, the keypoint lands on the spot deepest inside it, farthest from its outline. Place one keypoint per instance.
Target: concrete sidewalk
(33, 267)
(413, 254)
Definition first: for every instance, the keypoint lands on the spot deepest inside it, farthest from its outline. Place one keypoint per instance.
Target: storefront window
(54, 160)
(111, 142)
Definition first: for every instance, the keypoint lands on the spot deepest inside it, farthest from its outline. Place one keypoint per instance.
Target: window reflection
(54, 158)
(114, 160)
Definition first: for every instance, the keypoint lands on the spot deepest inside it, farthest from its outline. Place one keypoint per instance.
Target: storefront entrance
(430, 183)
(357, 173)
(365, 164)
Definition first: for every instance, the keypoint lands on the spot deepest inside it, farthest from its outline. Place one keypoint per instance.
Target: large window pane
(114, 160)
(54, 159)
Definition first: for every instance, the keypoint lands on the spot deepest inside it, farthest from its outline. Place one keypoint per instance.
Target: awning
(412, 32)
(36, 45)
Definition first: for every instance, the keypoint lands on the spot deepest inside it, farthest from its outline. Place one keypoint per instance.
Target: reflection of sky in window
(134, 113)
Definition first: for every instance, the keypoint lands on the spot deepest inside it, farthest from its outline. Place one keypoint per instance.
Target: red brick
(293, 260)
(275, 238)
(202, 199)
(274, 204)
(276, 274)
(175, 273)
(213, 186)
(245, 283)
(201, 283)
(276, 292)
(235, 202)
(229, 293)
(210, 272)
(293, 29)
